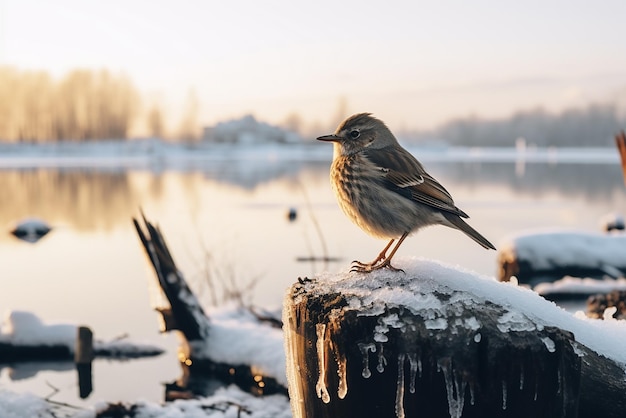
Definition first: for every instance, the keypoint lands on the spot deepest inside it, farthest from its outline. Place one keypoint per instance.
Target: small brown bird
(383, 189)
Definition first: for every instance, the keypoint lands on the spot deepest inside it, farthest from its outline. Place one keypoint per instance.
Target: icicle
(413, 367)
(559, 380)
(400, 388)
(365, 349)
(477, 337)
(419, 366)
(521, 377)
(454, 387)
(504, 395)
(382, 361)
(536, 390)
(472, 398)
(342, 391)
(320, 387)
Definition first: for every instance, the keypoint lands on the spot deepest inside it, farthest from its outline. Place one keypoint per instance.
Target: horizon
(416, 66)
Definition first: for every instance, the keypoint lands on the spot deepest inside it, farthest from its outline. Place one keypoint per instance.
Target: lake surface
(226, 222)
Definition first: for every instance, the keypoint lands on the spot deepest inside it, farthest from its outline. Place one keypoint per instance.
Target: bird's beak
(329, 138)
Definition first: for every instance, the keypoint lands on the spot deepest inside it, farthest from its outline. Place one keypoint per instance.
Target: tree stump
(397, 345)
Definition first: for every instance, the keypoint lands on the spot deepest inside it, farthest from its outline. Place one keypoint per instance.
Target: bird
(385, 190)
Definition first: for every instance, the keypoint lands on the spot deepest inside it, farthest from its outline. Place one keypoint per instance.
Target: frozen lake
(225, 219)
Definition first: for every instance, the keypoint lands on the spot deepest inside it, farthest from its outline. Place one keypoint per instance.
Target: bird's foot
(358, 267)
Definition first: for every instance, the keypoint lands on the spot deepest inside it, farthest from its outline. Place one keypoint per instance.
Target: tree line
(594, 125)
(84, 105)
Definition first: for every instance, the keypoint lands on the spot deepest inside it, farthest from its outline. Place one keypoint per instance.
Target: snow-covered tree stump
(431, 342)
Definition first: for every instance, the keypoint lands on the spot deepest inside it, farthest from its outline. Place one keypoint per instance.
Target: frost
(515, 321)
(439, 323)
(549, 344)
(472, 323)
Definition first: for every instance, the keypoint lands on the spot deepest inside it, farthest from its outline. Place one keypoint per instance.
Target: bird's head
(359, 132)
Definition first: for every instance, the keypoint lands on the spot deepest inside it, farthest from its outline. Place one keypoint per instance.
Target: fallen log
(436, 341)
(551, 255)
(235, 345)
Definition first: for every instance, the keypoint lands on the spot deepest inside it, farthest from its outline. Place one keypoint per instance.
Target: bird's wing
(405, 175)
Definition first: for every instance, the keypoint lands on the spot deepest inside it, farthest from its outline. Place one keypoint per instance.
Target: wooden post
(83, 356)
(394, 345)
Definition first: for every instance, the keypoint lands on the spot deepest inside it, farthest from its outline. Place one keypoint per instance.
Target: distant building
(248, 130)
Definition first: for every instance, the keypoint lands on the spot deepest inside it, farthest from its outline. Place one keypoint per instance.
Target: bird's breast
(361, 193)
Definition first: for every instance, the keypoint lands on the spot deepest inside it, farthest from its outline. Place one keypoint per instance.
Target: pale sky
(414, 64)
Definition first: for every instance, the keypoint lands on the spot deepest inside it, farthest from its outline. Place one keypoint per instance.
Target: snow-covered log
(551, 255)
(435, 341)
(25, 337)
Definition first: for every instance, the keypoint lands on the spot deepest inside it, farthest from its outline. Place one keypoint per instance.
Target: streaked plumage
(383, 189)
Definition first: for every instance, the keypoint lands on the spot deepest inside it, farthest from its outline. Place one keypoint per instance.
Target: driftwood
(394, 345)
(186, 315)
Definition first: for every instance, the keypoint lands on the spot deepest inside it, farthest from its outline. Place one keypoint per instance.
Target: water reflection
(99, 200)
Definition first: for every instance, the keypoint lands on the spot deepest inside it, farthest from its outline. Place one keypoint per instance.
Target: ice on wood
(439, 295)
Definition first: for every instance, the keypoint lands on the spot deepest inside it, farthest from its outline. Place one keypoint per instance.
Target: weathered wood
(84, 353)
(350, 354)
(83, 356)
(186, 315)
(190, 318)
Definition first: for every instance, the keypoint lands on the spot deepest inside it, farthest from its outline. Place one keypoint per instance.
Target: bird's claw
(359, 267)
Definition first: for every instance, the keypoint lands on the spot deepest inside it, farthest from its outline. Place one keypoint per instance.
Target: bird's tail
(461, 225)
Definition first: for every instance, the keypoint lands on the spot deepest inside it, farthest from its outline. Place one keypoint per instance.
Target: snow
(227, 402)
(22, 405)
(237, 337)
(546, 249)
(25, 328)
(575, 285)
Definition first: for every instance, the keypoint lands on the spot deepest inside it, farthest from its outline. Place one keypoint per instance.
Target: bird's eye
(355, 134)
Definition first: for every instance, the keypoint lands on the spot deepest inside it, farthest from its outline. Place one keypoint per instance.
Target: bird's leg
(382, 260)
(358, 266)
(387, 261)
